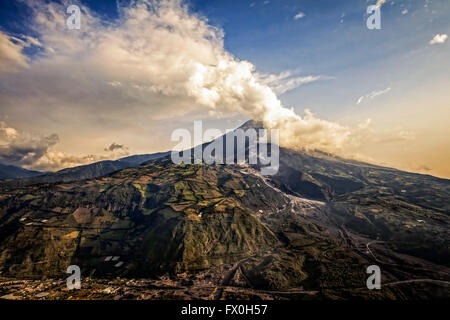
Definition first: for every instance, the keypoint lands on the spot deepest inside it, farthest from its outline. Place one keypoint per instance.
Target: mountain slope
(13, 172)
(89, 171)
(309, 231)
(156, 212)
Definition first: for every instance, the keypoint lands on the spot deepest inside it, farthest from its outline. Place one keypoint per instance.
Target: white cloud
(360, 99)
(115, 83)
(115, 146)
(11, 57)
(372, 95)
(380, 3)
(21, 148)
(37, 151)
(288, 80)
(404, 11)
(299, 16)
(438, 39)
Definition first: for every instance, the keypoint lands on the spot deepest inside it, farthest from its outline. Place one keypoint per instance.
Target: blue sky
(396, 77)
(331, 39)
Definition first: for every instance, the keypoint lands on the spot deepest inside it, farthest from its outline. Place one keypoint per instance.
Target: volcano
(167, 231)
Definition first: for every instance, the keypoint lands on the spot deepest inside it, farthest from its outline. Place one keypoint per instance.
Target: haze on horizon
(136, 71)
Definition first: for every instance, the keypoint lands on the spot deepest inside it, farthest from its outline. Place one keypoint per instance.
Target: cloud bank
(37, 151)
(21, 148)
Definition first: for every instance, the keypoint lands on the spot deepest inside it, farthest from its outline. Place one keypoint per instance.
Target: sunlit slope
(159, 217)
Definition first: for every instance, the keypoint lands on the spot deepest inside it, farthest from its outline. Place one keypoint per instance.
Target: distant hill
(88, 171)
(13, 172)
(138, 159)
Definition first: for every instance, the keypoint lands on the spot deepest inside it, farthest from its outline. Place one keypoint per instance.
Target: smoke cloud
(166, 49)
